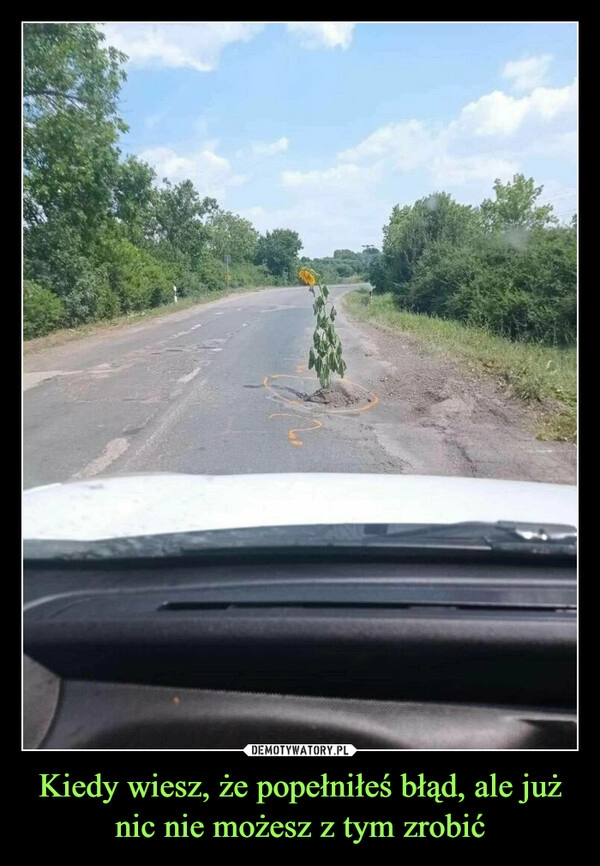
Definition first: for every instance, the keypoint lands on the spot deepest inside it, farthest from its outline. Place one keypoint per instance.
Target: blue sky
(323, 127)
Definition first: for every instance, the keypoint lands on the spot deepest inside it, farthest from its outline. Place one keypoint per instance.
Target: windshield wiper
(501, 537)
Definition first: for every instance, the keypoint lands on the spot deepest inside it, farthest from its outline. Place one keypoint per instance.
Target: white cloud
(337, 202)
(407, 145)
(328, 226)
(196, 45)
(500, 114)
(348, 198)
(529, 72)
(415, 145)
(323, 34)
(457, 171)
(477, 139)
(210, 173)
(351, 179)
(270, 148)
(490, 138)
(331, 208)
(253, 213)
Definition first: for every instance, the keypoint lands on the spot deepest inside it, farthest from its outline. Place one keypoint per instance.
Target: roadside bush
(491, 301)
(79, 292)
(187, 282)
(42, 310)
(507, 266)
(439, 273)
(135, 277)
(246, 274)
(107, 303)
(377, 274)
(54, 259)
(211, 273)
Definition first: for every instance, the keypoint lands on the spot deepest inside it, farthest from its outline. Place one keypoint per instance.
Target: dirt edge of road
(442, 392)
(544, 416)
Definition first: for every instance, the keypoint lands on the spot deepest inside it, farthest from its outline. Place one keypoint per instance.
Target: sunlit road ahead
(188, 394)
(218, 389)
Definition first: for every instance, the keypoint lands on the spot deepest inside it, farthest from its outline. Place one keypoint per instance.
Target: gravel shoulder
(444, 418)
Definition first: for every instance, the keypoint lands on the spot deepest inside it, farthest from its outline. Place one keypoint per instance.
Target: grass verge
(66, 335)
(543, 376)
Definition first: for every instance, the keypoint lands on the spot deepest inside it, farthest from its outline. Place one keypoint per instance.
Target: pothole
(338, 395)
(342, 396)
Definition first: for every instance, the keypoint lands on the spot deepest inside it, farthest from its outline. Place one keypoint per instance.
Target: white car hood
(135, 505)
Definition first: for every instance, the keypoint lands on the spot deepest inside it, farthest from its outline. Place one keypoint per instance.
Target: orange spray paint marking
(292, 433)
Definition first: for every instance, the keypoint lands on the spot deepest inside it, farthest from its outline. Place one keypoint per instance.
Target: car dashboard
(378, 654)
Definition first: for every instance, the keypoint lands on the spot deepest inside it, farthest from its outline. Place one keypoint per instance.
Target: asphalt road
(218, 389)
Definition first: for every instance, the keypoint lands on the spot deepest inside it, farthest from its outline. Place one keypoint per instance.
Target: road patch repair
(30, 380)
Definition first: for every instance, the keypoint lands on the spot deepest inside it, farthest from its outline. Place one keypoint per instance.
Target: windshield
(299, 321)
(295, 275)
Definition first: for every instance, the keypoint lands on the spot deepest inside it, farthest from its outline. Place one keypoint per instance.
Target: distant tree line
(507, 265)
(101, 237)
(345, 266)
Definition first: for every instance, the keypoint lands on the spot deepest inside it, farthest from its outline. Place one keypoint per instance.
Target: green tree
(375, 272)
(136, 277)
(135, 199)
(179, 212)
(278, 250)
(57, 259)
(515, 206)
(71, 86)
(230, 234)
(71, 126)
(435, 218)
(506, 266)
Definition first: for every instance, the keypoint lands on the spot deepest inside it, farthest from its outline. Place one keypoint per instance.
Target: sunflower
(307, 276)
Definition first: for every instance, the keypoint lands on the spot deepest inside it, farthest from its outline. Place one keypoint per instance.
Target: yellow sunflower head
(307, 276)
